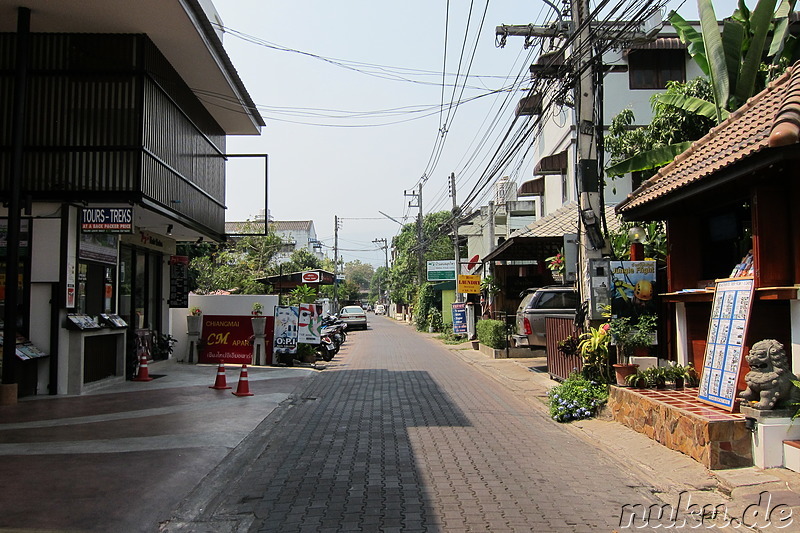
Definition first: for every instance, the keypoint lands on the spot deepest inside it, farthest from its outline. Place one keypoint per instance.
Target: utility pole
(385, 249)
(591, 241)
(336, 263)
(456, 251)
(420, 247)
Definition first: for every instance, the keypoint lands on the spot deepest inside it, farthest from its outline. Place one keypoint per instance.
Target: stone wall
(712, 437)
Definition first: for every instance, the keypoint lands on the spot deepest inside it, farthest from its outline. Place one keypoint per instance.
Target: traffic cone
(220, 383)
(143, 374)
(243, 388)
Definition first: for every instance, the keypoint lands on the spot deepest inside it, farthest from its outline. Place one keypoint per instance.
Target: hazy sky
(351, 92)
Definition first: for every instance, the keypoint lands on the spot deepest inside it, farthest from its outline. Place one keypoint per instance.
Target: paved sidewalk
(747, 494)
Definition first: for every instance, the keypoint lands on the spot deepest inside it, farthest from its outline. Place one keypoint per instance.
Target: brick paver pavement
(399, 434)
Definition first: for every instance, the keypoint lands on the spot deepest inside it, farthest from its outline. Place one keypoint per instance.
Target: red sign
(227, 339)
(310, 277)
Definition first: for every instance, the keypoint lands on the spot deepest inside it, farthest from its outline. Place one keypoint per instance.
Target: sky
(357, 115)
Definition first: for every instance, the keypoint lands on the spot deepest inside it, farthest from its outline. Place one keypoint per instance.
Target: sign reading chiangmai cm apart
(441, 270)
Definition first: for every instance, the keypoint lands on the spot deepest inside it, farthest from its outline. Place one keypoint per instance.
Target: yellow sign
(469, 284)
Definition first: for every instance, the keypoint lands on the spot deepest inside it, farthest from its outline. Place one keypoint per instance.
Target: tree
(359, 273)
(734, 61)
(436, 245)
(235, 265)
(300, 260)
(302, 294)
(379, 283)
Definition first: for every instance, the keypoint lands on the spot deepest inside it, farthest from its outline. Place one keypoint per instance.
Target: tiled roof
(767, 120)
(562, 221)
(257, 226)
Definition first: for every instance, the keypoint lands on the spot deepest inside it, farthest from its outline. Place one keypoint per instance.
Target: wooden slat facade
(108, 119)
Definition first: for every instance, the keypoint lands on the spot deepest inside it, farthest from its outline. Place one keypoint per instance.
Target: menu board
(727, 331)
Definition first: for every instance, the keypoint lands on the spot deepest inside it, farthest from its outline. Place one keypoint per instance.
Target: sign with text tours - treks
(286, 322)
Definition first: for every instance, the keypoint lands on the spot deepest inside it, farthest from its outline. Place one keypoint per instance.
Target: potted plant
(557, 266)
(259, 322)
(637, 379)
(194, 321)
(631, 338)
(593, 348)
(656, 376)
(683, 376)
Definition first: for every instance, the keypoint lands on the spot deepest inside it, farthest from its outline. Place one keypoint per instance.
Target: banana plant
(732, 60)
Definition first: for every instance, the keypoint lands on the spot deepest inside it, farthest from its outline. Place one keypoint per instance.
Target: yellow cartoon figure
(643, 290)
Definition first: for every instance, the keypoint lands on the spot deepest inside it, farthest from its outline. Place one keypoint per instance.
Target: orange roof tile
(767, 120)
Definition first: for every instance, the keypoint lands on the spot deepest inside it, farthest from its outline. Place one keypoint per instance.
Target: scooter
(326, 349)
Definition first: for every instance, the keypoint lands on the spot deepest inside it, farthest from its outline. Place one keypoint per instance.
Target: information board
(727, 331)
(459, 318)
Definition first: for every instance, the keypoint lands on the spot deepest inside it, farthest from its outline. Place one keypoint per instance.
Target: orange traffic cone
(143, 374)
(243, 388)
(220, 383)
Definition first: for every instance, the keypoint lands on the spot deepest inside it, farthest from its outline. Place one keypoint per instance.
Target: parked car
(535, 306)
(354, 316)
(380, 309)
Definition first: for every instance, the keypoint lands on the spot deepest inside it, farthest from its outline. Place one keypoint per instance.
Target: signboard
(459, 318)
(178, 281)
(633, 288)
(107, 220)
(24, 236)
(469, 284)
(226, 339)
(285, 332)
(309, 324)
(727, 330)
(441, 270)
(310, 277)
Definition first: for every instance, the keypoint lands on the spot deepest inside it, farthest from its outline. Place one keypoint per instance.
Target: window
(652, 69)
(564, 188)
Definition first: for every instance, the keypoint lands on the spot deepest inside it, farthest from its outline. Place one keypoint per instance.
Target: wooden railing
(560, 366)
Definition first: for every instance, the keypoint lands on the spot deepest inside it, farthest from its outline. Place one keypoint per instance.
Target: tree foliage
(359, 273)
(436, 245)
(738, 63)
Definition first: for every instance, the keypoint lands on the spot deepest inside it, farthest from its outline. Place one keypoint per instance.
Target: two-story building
(113, 143)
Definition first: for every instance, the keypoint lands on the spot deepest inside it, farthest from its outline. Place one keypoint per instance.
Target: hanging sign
(310, 277)
(727, 331)
(469, 284)
(441, 270)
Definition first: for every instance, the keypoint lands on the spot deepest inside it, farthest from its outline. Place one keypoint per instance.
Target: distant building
(295, 234)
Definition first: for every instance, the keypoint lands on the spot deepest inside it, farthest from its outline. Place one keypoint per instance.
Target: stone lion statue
(769, 382)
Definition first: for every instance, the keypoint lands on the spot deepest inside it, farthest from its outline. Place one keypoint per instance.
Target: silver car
(354, 316)
(535, 306)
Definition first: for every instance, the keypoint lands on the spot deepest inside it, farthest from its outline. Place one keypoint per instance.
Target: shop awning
(534, 187)
(551, 164)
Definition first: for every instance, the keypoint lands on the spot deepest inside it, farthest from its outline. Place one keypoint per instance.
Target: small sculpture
(769, 382)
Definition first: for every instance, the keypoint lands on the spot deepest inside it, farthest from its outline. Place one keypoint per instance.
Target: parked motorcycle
(326, 349)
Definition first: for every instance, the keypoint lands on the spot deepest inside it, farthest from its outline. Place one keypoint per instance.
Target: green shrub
(492, 333)
(576, 398)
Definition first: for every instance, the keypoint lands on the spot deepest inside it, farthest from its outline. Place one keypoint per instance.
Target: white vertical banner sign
(309, 324)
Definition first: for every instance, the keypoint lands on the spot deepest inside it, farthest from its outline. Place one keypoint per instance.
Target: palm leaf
(760, 22)
(733, 36)
(715, 54)
(692, 39)
(781, 31)
(648, 160)
(698, 106)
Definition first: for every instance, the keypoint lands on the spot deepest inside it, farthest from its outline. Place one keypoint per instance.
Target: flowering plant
(576, 398)
(195, 311)
(556, 263)
(257, 309)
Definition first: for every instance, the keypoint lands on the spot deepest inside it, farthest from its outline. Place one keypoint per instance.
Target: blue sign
(460, 318)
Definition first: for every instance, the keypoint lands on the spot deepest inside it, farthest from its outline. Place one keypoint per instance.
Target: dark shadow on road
(341, 457)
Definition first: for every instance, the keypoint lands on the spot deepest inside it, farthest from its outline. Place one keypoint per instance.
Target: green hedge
(492, 333)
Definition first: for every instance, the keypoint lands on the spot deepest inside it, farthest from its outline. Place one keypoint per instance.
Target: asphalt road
(399, 434)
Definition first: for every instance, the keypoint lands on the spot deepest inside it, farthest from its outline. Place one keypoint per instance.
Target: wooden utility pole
(385, 248)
